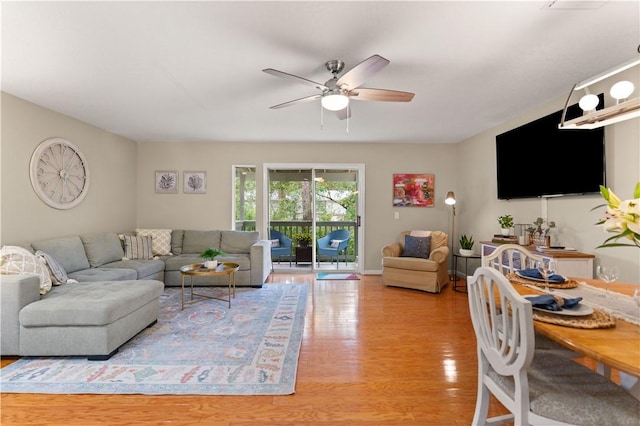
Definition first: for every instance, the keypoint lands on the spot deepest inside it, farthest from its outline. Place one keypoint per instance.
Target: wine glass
(636, 297)
(546, 267)
(608, 274)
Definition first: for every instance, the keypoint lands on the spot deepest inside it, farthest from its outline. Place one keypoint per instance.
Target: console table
(570, 263)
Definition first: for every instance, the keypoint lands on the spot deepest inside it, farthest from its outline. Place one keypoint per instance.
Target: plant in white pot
(209, 256)
(466, 245)
(506, 223)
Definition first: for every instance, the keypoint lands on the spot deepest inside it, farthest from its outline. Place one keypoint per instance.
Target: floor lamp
(451, 200)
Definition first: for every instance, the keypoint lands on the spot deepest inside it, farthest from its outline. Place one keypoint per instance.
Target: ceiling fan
(336, 92)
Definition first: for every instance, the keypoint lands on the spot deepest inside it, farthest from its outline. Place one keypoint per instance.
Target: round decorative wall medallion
(59, 173)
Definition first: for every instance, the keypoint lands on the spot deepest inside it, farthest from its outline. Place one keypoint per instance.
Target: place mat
(514, 278)
(600, 318)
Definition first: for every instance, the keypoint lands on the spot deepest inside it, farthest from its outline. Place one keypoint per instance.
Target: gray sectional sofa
(114, 298)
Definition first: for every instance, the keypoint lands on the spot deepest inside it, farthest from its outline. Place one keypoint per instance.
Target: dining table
(614, 345)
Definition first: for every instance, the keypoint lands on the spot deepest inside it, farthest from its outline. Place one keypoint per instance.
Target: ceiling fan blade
(381, 95)
(361, 72)
(344, 113)
(302, 80)
(297, 101)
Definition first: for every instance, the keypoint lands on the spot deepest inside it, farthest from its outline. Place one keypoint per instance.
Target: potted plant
(466, 245)
(209, 256)
(302, 239)
(506, 223)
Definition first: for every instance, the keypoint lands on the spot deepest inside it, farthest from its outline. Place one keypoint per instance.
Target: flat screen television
(540, 160)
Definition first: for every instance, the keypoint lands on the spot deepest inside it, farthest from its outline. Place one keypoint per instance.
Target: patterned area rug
(337, 277)
(207, 349)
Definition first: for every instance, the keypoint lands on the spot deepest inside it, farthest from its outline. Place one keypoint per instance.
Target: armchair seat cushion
(410, 263)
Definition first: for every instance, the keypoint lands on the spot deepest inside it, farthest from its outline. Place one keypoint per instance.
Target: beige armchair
(426, 274)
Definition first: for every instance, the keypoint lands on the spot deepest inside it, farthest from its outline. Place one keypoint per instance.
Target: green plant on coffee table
(466, 243)
(505, 221)
(210, 253)
(302, 239)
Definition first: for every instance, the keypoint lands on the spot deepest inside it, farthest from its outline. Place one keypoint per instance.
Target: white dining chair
(510, 257)
(537, 387)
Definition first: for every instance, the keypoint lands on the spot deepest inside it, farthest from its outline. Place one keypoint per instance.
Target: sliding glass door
(314, 209)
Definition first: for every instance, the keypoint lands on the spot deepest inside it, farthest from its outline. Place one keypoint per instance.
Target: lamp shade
(622, 90)
(451, 198)
(589, 102)
(334, 100)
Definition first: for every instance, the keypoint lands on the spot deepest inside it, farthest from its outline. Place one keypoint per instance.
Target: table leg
(229, 284)
(182, 292)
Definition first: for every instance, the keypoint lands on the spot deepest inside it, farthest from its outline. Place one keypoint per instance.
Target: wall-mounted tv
(540, 160)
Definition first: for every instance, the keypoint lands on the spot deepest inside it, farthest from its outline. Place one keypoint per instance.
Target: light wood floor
(370, 355)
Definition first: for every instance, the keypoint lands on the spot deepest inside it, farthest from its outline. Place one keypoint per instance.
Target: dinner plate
(577, 311)
(540, 279)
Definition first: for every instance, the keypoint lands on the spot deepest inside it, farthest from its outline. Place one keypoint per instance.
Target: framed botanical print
(195, 183)
(413, 190)
(166, 181)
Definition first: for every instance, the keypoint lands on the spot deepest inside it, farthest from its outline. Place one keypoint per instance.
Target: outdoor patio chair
(280, 246)
(333, 243)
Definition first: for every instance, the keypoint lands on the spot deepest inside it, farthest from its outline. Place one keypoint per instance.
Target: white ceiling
(192, 71)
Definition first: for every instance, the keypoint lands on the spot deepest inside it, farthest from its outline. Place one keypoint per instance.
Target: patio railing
(290, 228)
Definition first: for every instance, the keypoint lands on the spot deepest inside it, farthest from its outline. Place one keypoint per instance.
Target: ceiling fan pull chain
(321, 118)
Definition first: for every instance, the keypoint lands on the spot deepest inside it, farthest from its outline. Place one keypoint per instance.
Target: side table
(196, 269)
(455, 278)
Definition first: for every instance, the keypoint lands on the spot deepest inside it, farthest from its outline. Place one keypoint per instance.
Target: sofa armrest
(260, 255)
(440, 254)
(392, 250)
(16, 292)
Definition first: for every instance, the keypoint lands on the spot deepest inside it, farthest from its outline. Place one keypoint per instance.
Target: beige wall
(111, 201)
(478, 206)
(122, 196)
(213, 210)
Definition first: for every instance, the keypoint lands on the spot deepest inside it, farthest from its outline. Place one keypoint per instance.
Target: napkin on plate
(549, 302)
(534, 273)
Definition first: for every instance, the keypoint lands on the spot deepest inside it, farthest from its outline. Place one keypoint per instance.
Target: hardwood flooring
(370, 355)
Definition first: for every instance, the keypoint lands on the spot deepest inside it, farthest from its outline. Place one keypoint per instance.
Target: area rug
(205, 349)
(337, 277)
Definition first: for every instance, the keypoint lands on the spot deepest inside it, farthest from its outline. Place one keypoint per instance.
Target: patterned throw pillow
(20, 261)
(56, 270)
(275, 243)
(137, 247)
(160, 240)
(417, 247)
(335, 243)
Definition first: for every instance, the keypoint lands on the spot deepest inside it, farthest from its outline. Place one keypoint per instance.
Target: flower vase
(506, 231)
(466, 252)
(211, 264)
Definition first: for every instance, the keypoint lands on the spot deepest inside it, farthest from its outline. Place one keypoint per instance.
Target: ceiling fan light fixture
(335, 100)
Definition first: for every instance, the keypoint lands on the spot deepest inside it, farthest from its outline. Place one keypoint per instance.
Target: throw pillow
(417, 247)
(275, 243)
(160, 240)
(56, 270)
(335, 243)
(137, 247)
(20, 261)
(420, 233)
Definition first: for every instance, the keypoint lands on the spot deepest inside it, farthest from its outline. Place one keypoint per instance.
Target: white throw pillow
(335, 243)
(275, 243)
(420, 233)
(160, 240)
(20, 261)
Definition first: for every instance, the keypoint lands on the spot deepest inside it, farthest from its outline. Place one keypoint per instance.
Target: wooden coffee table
(198, 269)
